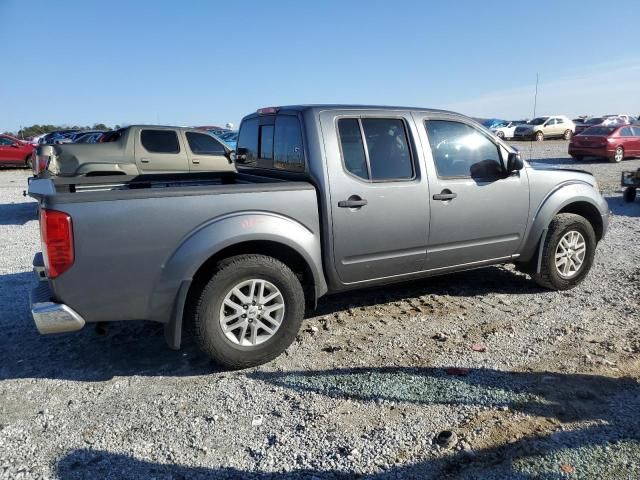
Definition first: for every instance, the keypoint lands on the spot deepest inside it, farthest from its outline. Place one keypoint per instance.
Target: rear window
(271, 142)
(599, 131)
(160, 141)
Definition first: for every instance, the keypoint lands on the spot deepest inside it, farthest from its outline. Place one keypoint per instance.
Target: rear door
(478, 212)
(636, 139)
(6, 150)
(159, 150)
(378, 193)
(205, 152)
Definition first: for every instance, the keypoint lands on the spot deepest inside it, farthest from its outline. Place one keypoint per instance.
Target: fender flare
(220, 233)
(107, 168)
(563, 195)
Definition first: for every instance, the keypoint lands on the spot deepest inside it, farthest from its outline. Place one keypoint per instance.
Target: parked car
(614, 142)
(586, 123)
(230, 139)
(53, 138)
(506, 129)
(491, 122)
(137, 149)
(618, 119)
(557, 126)
(88, 137)
(326, 199)
(15, 152)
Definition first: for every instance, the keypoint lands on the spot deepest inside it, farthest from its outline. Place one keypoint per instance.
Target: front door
(478, 212)
(206, 154)
(378, 194)
(159, 150)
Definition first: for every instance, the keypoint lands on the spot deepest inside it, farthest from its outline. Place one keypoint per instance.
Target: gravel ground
(362, 393)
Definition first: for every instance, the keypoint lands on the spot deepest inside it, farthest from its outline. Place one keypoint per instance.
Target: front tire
(539, 136)
(567, 134)
(500, 135)
(567, 252)
(249, 312)
(629, 194)
(618, 155)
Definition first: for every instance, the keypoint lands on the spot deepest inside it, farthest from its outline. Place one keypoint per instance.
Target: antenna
(535, 106)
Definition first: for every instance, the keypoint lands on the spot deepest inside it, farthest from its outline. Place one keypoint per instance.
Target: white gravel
(362, 392)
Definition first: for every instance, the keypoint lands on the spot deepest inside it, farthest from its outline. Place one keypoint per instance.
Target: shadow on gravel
(609, 447)
(472, 283)
(139, 348)
(18, 213)
(619, 207)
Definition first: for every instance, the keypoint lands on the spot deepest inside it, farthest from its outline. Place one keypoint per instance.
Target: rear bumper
(49, 316)
(590, 152)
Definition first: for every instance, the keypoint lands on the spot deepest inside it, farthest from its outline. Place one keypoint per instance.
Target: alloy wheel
(570, 254)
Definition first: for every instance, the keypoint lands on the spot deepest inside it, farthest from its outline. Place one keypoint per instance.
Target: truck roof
(328, 106)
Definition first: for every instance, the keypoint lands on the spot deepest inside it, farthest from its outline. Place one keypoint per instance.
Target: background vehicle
(586, 123)
(631, 183)
(619, 119)
(230, 139)
(15, 152)
(137, 149)
(557, 126)
(320, 204)
(506, 129)
(615, 142)
(90, 137)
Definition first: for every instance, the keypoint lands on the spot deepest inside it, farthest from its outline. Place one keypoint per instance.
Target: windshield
(539, 120)
(603, 131)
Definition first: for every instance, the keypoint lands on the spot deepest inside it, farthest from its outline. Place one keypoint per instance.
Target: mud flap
(173, 329)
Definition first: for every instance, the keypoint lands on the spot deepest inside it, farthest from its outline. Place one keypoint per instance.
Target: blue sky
(210, 62)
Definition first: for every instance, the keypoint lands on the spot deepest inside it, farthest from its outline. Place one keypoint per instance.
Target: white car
(505, 129)
(618, 119)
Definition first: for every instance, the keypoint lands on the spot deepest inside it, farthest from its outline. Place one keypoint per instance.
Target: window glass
(203, 144)
(5, 141)
(626, 132)
(636, 131)
(352, 147)
(288, 148)
(160, 141)
(559, 121)
(388, 148)
(551, 122)
(266, 142)
(461, 151)
(247, 147)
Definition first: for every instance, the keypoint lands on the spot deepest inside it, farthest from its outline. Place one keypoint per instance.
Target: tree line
(37, 129)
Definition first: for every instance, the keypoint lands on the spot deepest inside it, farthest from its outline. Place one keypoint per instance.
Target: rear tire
(237, 347)
(539, 136)
(500, 135)
(618, 155)
(563, 227)
(629, 194)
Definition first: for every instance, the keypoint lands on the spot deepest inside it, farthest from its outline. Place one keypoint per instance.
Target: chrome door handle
(144, 160)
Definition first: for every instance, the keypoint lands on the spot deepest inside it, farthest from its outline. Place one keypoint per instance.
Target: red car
(15, 152)
(614, 142)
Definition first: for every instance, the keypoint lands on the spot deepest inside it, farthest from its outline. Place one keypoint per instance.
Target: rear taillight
(56, 231)
(42, 162)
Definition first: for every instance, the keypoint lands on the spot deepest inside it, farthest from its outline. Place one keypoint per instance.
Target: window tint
(203, 144)
(276, 145)
(5, 141)
(352, 147)
(389, 157)
(559, 121)
(266, 142)
(636, 131)
(160, 141)
(551, 122)
(247, 147)
(288, 148)
(461, 151)
(626, 132)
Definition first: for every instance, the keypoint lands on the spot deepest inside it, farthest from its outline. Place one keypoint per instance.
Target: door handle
(354, 201)
(445, 195)
(144, 160)
(196, 161)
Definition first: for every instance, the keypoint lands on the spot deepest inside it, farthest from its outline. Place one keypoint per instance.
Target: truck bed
(127, 231)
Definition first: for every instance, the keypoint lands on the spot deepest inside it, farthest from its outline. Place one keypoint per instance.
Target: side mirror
(15, 145)
(241, 154)
(514, 162)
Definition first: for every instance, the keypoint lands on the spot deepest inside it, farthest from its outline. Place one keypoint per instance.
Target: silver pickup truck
(134, 150)
(326, 199)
